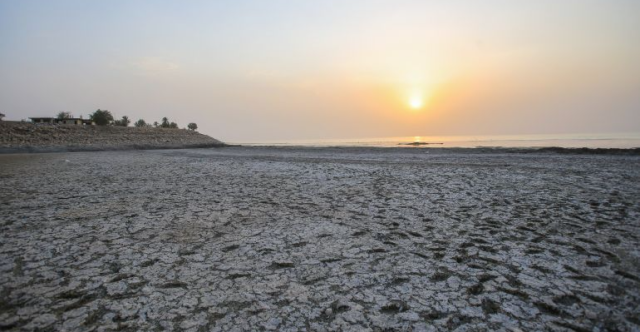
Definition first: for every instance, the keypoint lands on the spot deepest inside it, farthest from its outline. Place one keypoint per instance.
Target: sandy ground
(296, 239)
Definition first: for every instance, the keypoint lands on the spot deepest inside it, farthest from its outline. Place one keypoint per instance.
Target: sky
(253, 71)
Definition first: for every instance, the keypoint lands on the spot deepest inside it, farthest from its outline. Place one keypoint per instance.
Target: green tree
(192, 126)
(156, 124)
(101, 117)
(140, 123)
(173, 125)
(1, 116)
(165, 123)
(124, 122)
(64, 115)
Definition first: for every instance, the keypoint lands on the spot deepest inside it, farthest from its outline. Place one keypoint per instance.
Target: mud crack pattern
(296, 239)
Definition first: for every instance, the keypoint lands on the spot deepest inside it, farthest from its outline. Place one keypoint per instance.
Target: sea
(615, 140)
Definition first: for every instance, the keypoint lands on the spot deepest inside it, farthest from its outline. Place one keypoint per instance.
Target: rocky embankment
(16, 137)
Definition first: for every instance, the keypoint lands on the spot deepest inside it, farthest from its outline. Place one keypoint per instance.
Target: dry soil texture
(299, 239)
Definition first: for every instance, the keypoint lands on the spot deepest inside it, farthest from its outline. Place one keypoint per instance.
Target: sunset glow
(416, 102)
(279, 69)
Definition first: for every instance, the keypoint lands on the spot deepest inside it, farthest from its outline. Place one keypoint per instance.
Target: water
(618, 140)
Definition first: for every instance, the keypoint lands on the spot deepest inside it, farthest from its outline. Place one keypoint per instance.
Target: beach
(319, 239)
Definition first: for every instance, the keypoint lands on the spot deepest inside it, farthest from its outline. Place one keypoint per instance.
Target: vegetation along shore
(98, 133)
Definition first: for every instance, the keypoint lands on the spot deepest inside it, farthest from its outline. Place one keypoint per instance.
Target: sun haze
(416, 103)
(278, 70)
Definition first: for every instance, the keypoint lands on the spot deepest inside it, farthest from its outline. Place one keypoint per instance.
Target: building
(43, 120)
(68, 121)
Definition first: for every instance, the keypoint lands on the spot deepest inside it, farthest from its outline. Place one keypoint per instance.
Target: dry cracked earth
(296, 239)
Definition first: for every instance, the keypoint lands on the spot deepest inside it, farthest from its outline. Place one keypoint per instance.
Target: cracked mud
(295, 239)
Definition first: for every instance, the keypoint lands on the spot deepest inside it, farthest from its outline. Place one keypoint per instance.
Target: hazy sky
(277, 70)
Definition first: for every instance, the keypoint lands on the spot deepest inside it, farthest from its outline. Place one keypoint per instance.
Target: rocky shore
(19, 137)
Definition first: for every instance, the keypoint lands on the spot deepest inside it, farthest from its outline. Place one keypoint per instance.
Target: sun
(416, 103)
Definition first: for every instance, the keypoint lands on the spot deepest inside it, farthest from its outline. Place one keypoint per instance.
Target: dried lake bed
(321, 239)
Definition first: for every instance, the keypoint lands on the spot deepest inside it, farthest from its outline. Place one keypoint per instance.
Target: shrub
(140, 123)
(64, 115)
(124, 122)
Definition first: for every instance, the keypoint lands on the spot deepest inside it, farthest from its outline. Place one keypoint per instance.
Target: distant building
(68, 121)
(43, 120)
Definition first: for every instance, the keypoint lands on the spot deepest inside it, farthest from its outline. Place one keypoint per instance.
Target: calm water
(627, 140)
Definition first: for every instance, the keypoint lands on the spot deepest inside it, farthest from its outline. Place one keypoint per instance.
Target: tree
(156, 124)
(192, 126)
(173, 125)
(1, 116)
(124, 122)
(165, 123)
(64, 115)
(101, 117)
(140, 123)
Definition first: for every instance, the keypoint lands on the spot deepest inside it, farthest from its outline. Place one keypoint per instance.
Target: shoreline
(463, 150)
(409, 149)
(19, 137)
